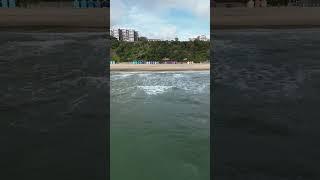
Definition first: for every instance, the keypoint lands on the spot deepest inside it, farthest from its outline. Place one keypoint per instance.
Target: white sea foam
(155, 90)
(177, 75)
(120, 76)
(144, 74)
(159, 83)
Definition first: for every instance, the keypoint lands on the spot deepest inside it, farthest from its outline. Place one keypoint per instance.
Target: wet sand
(159, 67)
(271, 18)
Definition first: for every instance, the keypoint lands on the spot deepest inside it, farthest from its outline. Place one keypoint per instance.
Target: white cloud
(117, 11)
(147, 16)
(200, 8)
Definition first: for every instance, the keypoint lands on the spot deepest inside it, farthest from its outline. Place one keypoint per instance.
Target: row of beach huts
(8, 3)
(91, 3)
(74, 4)
(154, 62)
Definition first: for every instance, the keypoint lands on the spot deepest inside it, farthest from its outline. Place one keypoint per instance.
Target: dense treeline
(197, 51)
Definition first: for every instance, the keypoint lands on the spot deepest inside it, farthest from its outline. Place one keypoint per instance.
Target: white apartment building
(129, 35)
(124, 35)
(115, 33)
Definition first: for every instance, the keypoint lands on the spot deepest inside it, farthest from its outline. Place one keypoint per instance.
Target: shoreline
(52, 29)
(97, 20)
(265, 18)
(265, 27)
(54, 20)
(159, 67)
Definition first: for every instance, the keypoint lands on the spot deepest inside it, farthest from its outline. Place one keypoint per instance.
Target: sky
(162, 19)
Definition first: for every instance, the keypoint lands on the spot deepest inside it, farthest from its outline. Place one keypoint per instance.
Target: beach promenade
(159, 67)
(55, 19)
(271, 17)
(69, 19)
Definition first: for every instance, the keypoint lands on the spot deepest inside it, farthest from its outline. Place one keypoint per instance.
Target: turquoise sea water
(160, 125)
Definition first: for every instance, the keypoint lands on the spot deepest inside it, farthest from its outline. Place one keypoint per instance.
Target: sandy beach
(55, 19)
(159, 67)
(271, 17)
(98, 20)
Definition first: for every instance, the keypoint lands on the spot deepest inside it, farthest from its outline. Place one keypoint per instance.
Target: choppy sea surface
(160, 125)
(266, 104)
(53, 105)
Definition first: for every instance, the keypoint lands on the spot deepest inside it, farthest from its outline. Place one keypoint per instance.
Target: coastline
(265, 18)
(97, 20)
(54, 20)
(159, 67)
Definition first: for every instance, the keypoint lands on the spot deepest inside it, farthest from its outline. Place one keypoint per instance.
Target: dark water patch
(265, 86)
(53, 105)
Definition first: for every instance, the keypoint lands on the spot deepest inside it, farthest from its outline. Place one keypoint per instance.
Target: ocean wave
(155, 90)
(178, 75)
(159, 83)
(120, 76)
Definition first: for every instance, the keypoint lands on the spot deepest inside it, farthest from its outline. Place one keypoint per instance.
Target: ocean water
(160, 125)
(53, 105)
(266, 104)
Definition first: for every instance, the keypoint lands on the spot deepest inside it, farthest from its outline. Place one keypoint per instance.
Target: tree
(115, 58)
(197, 51)
(143, 38)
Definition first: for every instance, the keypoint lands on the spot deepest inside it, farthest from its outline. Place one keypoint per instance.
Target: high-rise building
(123, 35)
(129, 35)
(115, 33)
(136, 36)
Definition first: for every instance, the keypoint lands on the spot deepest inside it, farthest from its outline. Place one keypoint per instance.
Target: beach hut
(105, 3)
(4, 4)
(90, 4)
(171, 62)
(12, 3)
(185, 60)
(83, 4)
(136, 62)
(98, 4)
(76, 4)
(165, 60)
(230, 3)
(151, 62)
(190, 62)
